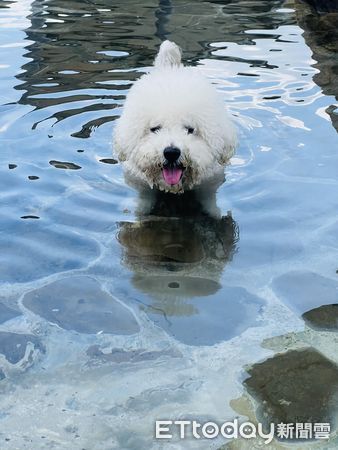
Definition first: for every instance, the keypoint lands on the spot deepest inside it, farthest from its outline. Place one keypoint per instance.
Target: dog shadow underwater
(177, 254)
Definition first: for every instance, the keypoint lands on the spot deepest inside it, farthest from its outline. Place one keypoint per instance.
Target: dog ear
(227, 151)
(120, 141)
(227, 141)
(223, 158)
(221, 138)
(118, 152)
(121, 155)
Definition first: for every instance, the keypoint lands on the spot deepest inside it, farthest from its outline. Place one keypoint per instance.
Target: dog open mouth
(172, 173)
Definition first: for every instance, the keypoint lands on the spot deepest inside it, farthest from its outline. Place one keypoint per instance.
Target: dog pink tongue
(172, 175)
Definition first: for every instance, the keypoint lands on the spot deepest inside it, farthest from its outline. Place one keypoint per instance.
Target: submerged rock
(296, 386)
(210, 315)
(323, 318)
(13, 345)
(79, 304)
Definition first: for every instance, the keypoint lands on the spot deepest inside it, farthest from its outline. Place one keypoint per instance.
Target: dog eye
(155, 129)
(190, 130)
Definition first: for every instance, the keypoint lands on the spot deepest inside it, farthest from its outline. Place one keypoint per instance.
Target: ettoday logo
(182, 429)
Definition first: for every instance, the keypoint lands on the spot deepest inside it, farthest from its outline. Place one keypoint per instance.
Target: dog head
(173, 133)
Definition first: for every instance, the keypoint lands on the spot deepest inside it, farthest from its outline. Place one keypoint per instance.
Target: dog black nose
(171, 154)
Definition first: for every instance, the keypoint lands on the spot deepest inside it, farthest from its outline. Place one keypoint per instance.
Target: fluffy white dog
(174, 134)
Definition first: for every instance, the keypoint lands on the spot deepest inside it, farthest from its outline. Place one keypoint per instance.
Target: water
(109, 322)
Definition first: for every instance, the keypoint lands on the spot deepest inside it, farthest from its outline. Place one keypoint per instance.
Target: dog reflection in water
(177, 252)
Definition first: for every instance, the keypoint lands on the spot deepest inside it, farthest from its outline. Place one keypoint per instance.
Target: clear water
(108, 323)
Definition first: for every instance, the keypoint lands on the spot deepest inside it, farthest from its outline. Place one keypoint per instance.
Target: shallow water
(108, 322)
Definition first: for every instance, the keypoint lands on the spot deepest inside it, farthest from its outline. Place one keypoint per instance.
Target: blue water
(103, 326)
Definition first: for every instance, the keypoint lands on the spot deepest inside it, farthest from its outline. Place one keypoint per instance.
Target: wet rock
(204, 317)
(296, 386)
(7, 313)
(323, 318)
(13, 346)
(79, 304)
(304, 291)
(118, 355)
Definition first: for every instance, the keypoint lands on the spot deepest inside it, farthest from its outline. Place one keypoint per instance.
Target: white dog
(174, 134)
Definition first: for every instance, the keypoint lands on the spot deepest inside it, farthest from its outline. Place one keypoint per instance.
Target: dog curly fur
(176, 106)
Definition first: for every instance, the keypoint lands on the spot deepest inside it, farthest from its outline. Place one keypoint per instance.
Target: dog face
(173, 133)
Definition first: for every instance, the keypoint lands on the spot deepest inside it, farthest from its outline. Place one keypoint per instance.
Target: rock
(13, 346)
(323, 318)
(202, 317)
(296, 386)
(79, 304)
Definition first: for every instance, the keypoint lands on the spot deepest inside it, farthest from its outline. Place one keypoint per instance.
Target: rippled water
(108, 322)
